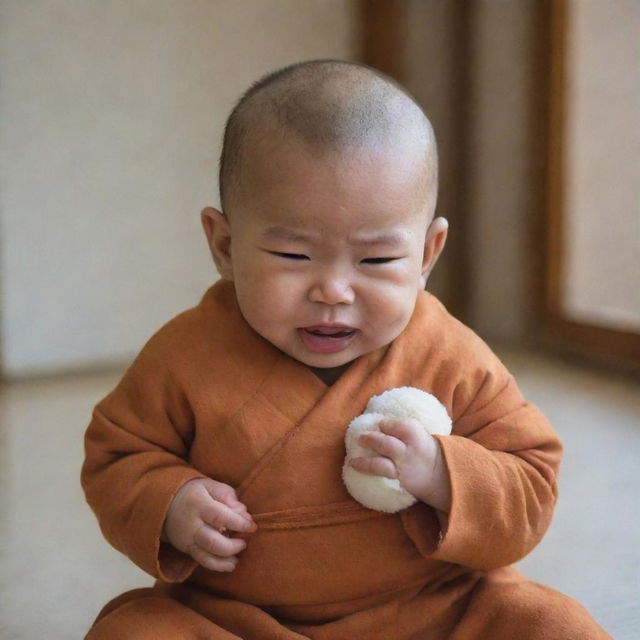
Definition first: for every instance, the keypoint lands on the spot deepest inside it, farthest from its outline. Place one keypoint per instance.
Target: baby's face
(326, 251)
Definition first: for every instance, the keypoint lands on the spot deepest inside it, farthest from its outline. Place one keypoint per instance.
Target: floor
(56, 571)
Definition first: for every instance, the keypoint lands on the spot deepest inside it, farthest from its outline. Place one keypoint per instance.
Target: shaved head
(331, 105)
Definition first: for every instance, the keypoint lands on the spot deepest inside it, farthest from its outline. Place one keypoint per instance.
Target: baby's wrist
(437, 492)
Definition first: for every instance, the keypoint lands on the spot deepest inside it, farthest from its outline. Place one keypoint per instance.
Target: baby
(215, 464)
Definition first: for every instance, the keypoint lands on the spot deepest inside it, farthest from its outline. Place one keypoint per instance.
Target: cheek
(276, 287)
(407, 274)
(391, 305)
(397, 287)
(266, 298)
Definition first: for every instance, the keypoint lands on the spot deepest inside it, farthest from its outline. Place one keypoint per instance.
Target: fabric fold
(207, 397)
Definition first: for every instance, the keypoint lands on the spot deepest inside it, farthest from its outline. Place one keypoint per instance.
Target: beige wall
(602, 278)
(111, 116)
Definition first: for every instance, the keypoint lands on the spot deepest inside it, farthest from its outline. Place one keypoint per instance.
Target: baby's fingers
(383, 444)
(216, 544)
(376, 466)
(222, 517)
(223, 493)
(407, 430)
(212, 562)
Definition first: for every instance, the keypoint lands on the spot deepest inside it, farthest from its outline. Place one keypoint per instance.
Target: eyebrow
(282, 233)
(389, 238)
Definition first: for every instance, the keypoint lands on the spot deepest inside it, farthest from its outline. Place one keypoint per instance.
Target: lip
(327, 338)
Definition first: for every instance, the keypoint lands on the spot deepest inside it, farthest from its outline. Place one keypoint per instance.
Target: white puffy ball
(377, 492)
(409, 402)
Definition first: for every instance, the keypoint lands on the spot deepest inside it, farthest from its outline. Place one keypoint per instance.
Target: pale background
(112, 115)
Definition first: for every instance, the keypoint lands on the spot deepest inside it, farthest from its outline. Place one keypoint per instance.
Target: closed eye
(378, 260)
(289, 256)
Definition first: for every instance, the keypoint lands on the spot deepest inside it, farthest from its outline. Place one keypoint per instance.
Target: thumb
(227, 495)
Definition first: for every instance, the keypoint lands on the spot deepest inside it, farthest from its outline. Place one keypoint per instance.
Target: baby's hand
(407, 452)
(198, 517)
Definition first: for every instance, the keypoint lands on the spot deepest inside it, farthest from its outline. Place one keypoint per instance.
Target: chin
(325, 361)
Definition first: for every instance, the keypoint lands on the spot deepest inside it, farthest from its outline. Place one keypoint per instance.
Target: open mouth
(327, 339)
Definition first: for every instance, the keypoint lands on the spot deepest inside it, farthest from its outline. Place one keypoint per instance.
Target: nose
(331, 287)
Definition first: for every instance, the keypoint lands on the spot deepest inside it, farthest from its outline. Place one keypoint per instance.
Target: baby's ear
(433, 246)
(218, 231)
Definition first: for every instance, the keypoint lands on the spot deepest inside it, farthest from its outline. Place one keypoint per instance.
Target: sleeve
(502, 459)
(136, 449)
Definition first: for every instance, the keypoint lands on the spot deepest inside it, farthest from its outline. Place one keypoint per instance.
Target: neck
(329, 375)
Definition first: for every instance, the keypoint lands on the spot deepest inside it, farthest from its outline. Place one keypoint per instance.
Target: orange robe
(207, 396)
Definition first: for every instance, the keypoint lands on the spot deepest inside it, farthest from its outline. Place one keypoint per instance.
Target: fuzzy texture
(377, 492)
